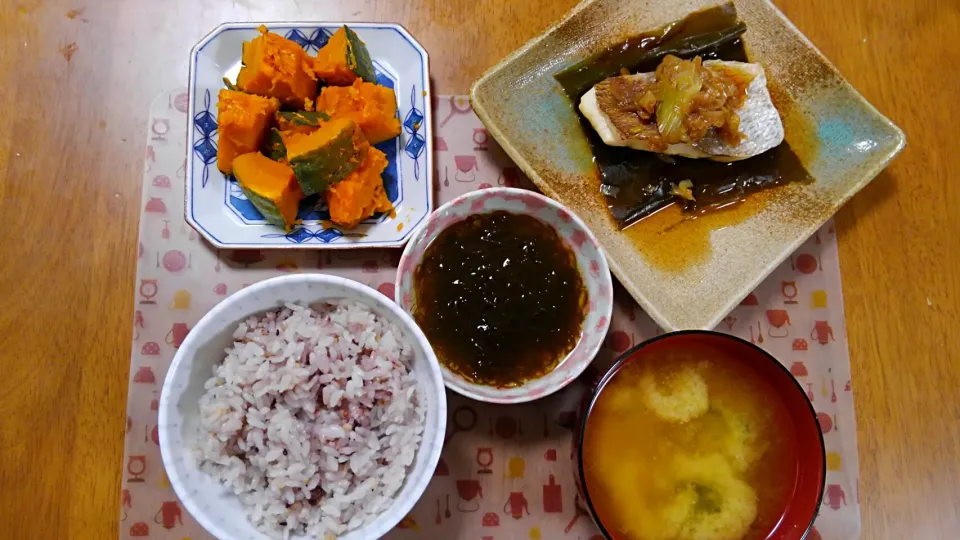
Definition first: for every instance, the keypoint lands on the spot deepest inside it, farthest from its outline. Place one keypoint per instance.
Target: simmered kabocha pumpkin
(325, 156)
(318, 144)
(289, 123)
(270, 186)
(275, 142)
(360, 194)
(371, 106)
(273, 146)
(277, 67)
(242, 121)
(344, 59)
(301, 121)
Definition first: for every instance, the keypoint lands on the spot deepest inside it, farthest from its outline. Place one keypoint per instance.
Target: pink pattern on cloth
(522, 481)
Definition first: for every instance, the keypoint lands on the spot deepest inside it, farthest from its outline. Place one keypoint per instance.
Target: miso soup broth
(689, 444)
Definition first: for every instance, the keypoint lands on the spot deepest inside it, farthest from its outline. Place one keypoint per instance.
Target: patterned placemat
(506, 471)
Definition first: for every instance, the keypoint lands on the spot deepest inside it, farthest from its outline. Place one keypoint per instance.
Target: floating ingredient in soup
(689, 443)
(639, 184)
(723, 504)
(679, 396)
(739, 439)
(500, 297)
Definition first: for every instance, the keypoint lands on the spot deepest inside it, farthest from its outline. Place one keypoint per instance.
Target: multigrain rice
(313, 418)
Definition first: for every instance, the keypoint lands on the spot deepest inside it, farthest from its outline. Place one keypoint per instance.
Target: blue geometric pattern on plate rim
(412, 124)
(205, 148)
(414, 149)
(324, 235)
(318, 38)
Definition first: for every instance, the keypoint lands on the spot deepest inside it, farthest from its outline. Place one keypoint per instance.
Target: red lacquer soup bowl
(662, 418)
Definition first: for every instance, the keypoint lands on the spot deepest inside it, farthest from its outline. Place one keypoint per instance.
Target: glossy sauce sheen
(631, 455)
(636, 183)
(500, 297)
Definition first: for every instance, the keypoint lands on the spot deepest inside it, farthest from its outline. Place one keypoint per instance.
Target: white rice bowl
(317, 419)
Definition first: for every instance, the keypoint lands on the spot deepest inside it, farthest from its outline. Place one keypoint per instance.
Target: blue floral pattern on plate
(318, 38)
(303, 235)
(415, 142)
(230, 220)
(205, 148)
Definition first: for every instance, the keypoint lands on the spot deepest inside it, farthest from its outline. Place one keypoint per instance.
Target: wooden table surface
(78, 78)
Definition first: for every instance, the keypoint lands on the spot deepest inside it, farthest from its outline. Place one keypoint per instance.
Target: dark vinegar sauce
(636, 183)
(500, 297)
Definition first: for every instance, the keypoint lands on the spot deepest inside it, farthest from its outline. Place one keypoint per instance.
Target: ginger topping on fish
(715, 109)
(684, 101)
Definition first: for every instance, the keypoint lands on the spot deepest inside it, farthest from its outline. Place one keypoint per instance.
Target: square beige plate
(690, 273)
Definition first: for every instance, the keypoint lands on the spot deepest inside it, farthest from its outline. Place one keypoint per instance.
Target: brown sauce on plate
(500, 297)
(637, 184)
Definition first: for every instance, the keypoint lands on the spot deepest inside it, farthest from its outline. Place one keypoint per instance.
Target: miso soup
(689, 443)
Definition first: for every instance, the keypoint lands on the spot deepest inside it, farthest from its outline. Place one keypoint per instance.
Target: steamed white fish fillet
(760, 122)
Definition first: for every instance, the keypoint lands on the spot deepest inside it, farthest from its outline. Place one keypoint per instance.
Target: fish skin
(760, 122)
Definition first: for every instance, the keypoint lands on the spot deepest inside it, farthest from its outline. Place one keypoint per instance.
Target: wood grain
(76, 91)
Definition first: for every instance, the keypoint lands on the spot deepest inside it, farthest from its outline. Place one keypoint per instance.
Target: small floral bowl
(591, 262)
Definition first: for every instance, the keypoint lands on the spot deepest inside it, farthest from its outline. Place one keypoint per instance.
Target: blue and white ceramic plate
(215, 205)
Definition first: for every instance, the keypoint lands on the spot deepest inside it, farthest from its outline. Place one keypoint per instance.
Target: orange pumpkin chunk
(371, 106)
(271, 187)
(361, 193)
(344, 59)
(277, 67)
(327, 155)
(242, 121)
